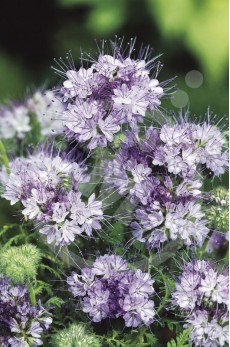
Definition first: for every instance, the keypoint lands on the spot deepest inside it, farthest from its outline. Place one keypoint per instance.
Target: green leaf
(41, 287)
(151, 339)
(51, 270)
(181, 341)
(55, 301)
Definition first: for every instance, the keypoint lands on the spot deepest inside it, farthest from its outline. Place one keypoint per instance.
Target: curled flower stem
(4, 157)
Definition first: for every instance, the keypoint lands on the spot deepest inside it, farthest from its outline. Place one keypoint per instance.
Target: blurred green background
(191, 34)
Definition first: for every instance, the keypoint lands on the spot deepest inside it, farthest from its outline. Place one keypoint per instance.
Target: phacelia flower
(208, 331)
(21, 323)
(16, 118)
(187, 145)
(109, 289)
(15, 121)
(202, 295)
(167, 204)
(48, 111)
(115, 89)
(185, 221)
(48, 188)
(200, 285)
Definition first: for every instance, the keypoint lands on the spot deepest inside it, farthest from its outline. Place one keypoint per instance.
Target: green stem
(31, 294)
(140, 336)
(165, 299)
(4, 157)
(203, 249)
(65, 256)
(167, 292)
(150, 262)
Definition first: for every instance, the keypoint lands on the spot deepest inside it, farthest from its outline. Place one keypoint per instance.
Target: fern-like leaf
(181, 340)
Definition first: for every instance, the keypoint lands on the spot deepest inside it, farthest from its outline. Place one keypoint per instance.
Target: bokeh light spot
(180, 99)
(194, 79)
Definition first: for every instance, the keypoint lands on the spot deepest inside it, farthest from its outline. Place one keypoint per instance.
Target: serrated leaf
(181, 341)
(55, 301)
(51, 270)
(151, 339)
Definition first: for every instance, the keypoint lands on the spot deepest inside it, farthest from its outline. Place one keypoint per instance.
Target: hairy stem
(31, 293)
(4, 157)
(150, 262)
(167, 292)
(65, 256)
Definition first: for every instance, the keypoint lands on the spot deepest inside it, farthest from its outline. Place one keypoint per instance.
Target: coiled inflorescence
(18, 119)
(202, 293)
(48, 187)
(21, 323)
(162, 172)
(109, 289)
(115, 89)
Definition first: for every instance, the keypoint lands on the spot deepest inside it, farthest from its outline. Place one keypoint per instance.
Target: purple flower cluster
(21, 324)
(116, 89)
(48, 188)
(109, 289)
(16, 118)
(48, 111)
(202, 294)
(187, 145)
(15, 121)
(162, 174)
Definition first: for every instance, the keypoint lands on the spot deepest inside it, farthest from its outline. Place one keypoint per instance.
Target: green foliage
(137, 338)
(115, 234)
(181, 341)
(55, 301)
(20, 264)
(76, 335)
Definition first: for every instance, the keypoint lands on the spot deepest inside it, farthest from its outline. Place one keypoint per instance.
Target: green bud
(20, 263)
(217, 211)
(75, 336)
(66, 183)
(118, 139)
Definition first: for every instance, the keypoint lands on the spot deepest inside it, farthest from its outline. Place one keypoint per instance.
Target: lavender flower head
(109, 289)
(187, 146)
(16, 118)
(115, 89)
(15, 121)
(166, 202)
(47, 186)
(208, 331)
(202, 293)
(21, 323)
(200, 285)
(48, 110)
